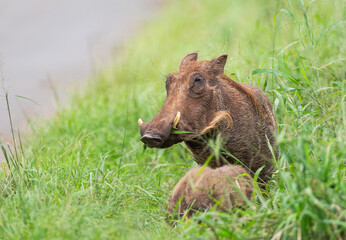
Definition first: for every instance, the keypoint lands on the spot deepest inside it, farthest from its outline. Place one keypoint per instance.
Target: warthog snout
(158, 132)
(152, 140)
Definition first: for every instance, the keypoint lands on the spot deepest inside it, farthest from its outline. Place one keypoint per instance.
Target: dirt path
(46, 45)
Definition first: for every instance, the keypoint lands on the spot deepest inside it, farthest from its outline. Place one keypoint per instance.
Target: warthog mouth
(160, 139)
(155, 139)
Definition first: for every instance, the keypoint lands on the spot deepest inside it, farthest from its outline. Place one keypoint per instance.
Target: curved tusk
(176, 120)
(140, 122)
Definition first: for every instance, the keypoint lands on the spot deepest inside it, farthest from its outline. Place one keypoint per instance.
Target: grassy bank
(86, 175)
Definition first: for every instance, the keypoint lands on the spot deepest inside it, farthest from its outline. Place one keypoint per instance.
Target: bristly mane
(253, 98)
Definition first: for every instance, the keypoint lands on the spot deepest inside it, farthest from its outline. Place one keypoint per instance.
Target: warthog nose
(152, 140)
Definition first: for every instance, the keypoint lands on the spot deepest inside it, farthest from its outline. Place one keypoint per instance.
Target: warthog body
(204, 102)
(226, 187)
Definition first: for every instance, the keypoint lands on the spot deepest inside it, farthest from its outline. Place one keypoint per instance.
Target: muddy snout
(157, 133)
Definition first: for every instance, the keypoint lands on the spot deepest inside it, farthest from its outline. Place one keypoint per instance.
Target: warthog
(201, 189)
(202, 102)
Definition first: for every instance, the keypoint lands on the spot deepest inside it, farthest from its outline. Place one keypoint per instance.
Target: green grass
(86, 175)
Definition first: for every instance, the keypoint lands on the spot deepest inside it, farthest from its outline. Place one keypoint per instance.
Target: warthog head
(190, 106)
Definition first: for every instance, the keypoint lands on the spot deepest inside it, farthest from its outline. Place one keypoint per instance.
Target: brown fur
(215, 104)
(202, 189)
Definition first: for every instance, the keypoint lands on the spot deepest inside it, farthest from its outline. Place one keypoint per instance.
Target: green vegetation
(86, 175)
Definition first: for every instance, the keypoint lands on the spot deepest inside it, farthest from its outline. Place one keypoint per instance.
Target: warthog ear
(188, 58)
(217, 65)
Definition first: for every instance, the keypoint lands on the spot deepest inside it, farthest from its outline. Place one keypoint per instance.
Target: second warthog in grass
(201, 189)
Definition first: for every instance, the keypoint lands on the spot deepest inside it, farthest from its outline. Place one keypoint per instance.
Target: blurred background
(49, 47)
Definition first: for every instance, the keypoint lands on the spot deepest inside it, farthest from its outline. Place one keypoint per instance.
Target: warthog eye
(198, 79)
(198, 85)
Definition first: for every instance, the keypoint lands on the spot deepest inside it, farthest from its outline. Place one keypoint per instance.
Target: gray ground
(56, 44)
